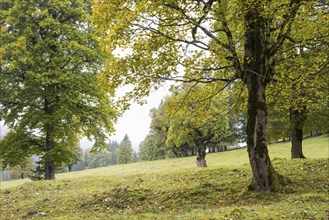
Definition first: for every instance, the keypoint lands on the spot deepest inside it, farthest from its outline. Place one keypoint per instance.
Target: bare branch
(231, 48)
(199, 80)
(198, 44)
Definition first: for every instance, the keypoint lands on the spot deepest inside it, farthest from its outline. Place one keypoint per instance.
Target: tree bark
(263, 172)
(258, 71)
(49, 162)
(297, 118)
(201, 156)
(49, 145)
(200, 149)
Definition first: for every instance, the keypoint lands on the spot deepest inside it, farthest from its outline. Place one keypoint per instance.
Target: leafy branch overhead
(209, 42)
(193, 40)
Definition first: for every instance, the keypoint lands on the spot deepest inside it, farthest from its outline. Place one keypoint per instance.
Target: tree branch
(285, 26)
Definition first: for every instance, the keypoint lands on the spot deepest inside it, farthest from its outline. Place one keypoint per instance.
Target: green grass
(175, 189)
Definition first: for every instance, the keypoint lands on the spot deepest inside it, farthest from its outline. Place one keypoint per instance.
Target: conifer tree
(125, 152)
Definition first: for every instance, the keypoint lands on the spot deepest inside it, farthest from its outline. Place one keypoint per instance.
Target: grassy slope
(175, 189)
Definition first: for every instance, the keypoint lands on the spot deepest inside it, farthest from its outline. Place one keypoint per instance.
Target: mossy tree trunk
(258, 71)
(256, 129)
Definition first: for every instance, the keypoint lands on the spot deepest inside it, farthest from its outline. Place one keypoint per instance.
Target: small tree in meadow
(125, 152)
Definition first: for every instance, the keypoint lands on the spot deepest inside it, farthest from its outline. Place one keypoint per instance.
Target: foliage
(196, 41)
(100, 159)
(78, 153)
(94, 159)
(135, 157)
(237, 111)
(300, 84)
(125, 152)
(210, 42)
(298, 99)
(154, 145)
(38, 173)
(194, 115)
(80, 165)
(165, 190)
(50, 94)
(21, 172)
(278, 125)
(112, 148)
(189, 114)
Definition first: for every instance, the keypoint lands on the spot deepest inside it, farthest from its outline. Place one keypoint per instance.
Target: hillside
(175, 189)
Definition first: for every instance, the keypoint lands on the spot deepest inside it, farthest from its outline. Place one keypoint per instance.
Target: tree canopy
(190, 122)
(196, 120)
(209, 42)
(50, 93)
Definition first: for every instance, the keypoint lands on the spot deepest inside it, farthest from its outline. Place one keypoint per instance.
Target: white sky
(135, 122)
(3, 129)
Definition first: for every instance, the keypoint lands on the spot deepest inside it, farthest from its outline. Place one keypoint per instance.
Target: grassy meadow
(176, 189)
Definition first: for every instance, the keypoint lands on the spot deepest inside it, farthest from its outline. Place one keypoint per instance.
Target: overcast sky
(135, 122)
(3, 129)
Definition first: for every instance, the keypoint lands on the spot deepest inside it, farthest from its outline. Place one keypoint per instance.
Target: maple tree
(208, 42)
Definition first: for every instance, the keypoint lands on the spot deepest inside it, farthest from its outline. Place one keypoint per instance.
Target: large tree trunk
(258, 70)
(265, 177)
(297, 118)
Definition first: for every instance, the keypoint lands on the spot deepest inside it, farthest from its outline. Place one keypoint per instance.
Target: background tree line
(115, 153)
